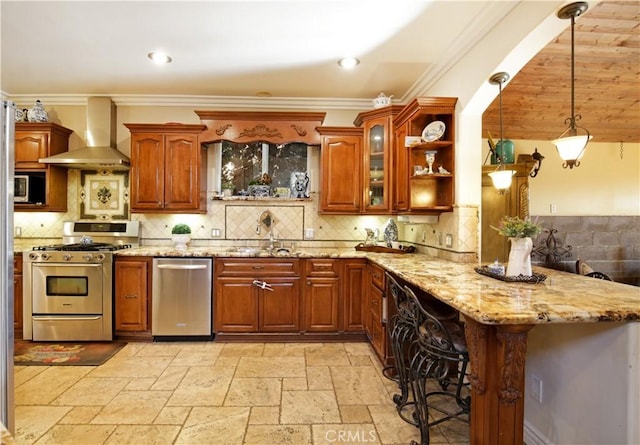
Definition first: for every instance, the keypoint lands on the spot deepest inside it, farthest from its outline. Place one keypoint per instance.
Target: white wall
(590, 377)
(606, 182)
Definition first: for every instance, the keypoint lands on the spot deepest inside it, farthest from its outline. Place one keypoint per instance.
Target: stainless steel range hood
(100, 152)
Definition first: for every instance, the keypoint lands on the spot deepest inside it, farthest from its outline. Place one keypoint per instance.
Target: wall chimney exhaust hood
(100, 152)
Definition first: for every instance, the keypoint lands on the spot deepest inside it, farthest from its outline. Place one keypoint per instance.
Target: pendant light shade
(573, 141)
(501, 178)
(571, 148)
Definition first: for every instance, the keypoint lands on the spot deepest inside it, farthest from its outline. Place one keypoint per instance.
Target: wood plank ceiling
(537, 100)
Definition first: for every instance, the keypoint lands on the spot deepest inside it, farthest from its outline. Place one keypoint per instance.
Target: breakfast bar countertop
(562, 298)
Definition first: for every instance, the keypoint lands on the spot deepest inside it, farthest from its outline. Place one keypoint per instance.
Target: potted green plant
(260, 185)
(227, 188)
(181, 235)
(520, 233)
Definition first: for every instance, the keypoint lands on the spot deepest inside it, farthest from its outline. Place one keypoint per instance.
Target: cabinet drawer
(256, 267)
(322, 267)
(376, 303)
(17, 264)
(377, 276)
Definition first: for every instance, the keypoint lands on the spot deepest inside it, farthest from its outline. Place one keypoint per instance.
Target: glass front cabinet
(378, 174)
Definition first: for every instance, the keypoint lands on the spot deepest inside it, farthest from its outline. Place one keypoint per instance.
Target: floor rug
(29, 353)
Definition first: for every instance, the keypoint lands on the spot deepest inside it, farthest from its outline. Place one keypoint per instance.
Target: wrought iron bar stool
(438, 344)
(401, 335)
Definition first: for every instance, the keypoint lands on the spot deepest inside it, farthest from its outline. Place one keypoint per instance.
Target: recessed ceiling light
(348, 62)
(159, 57)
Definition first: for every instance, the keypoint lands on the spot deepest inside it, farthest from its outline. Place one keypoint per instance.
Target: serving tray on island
(382, 249)
(534, 278)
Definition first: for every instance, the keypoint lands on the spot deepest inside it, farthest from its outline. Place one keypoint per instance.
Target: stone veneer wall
(609, 244)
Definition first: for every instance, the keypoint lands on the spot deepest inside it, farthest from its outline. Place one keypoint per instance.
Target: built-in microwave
(29, 188)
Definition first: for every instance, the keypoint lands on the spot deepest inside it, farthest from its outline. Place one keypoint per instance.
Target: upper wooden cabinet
(426, 193)
(340, 168)
(378, 172)
(35, 140)
(168, 168)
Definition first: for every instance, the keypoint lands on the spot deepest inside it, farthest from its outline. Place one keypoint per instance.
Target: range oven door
(66, 289)
(70, 302)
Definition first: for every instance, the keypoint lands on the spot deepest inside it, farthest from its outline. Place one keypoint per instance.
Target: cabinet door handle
(130, 296)
(258, 267)
(262, 285)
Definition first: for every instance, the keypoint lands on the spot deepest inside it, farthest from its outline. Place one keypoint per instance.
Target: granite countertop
(306, 252)
(562, 298)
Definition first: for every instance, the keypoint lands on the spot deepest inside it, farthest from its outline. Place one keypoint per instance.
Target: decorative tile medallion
(104, 194)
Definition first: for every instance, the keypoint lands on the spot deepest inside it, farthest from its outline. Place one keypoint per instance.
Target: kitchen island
(498, 316)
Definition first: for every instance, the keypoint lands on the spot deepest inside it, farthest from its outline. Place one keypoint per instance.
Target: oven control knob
(100, 257)
(33, 256)
(87, 257)
(46, 256)
(66, 256)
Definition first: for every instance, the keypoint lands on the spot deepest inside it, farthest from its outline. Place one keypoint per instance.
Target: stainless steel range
(67, 293)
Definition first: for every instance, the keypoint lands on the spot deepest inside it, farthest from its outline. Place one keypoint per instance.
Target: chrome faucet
(271, 241)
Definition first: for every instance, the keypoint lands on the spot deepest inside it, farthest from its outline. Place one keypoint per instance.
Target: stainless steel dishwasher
(182, 297)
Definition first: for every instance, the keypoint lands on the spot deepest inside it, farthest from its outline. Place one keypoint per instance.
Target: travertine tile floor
(218, 393)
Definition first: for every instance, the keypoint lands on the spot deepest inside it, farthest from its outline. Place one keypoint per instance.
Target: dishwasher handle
(182, 266)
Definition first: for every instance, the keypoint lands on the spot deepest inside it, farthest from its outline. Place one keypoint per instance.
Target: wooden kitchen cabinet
(17, 295)
(241, 306)
(340, 168)
(354, 295)
(35, 140)
(322, 295)
(168, 168)
(132, 296)
(378, 172)
(426, 193)
(376, 326)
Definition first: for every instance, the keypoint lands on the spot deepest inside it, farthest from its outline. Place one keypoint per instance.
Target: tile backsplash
(454, 236)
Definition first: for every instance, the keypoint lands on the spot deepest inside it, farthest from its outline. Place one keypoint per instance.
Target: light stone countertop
(562, 298)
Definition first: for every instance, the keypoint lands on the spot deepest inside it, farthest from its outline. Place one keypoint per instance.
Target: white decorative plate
(433, 131)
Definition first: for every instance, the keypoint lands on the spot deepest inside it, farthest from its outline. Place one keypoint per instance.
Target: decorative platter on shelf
(535, 278)
(433, 131)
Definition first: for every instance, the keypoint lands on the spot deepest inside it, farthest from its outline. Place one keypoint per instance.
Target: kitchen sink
(248, 250)
(259, 250)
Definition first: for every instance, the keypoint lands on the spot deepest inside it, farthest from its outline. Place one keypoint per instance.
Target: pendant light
(573, 141)
(501, 178)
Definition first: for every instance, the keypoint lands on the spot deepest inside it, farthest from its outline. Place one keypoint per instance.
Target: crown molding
(226, 102)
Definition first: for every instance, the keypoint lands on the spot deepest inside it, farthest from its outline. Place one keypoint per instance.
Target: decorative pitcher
(520, 257)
